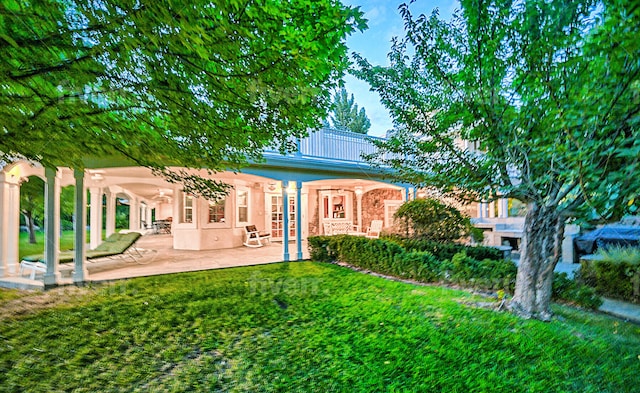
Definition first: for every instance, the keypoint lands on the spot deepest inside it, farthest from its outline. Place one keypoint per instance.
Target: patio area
(158, 257)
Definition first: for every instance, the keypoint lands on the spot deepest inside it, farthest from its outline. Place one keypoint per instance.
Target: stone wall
(373, 204)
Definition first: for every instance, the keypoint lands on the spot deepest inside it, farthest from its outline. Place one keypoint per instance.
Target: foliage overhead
(433, 220)
(346, 116)
(546, 90)
(196, 84)
(533, 100)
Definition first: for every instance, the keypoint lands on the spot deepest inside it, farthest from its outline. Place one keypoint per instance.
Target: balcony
(334, 145)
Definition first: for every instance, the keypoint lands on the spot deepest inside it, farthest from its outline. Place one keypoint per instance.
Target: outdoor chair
(116, 245)
(254, 238)
(374, 230)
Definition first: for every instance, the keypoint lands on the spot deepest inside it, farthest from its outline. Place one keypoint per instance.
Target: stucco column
(147, 219)
(299, 218)
(492, 209)
(134, 214)
(285, 220)
(80, 228)
(51, 226)
(9, 223)
(358, 193)
(110, 213)
(503, 207)
(95, 217)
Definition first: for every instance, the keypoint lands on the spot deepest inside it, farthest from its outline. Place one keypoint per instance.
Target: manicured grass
(301, 327)
(66, 243)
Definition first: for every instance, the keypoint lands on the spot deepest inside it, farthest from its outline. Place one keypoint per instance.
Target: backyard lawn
(66, 243)
(300, 327)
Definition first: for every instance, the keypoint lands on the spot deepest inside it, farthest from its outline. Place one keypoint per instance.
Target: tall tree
(346, 116)
(548, 91)
(198, 84)
(32, 204)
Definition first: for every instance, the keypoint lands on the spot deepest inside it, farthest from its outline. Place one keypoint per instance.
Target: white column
(358, 193)
(492, 209)
(111, 213)
(9, 223)
(503, 208)
(299, 219)
(147, 219)
(95, 217)
(51, 227)
(285, 220)
(134, 214)
(80, 228)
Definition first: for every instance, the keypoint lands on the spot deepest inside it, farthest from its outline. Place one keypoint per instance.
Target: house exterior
(289, 196)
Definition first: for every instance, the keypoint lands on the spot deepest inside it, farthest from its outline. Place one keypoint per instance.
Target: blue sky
(374, 44)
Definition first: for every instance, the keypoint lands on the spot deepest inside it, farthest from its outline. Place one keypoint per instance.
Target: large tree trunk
(32, 232)
(541, 251)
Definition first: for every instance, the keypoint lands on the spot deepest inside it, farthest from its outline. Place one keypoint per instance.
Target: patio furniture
(116, 245)
(254, 238)
(342, 228)
(162, 226)
(373, 232)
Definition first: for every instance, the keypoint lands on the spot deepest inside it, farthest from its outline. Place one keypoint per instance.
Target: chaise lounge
(118, 244)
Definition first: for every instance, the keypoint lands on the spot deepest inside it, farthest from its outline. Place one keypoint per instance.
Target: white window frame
(388, 218)
(184, 208)
(227, 214)
(239, 191)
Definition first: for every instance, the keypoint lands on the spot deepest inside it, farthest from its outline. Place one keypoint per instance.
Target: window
(187, 208)
(242, 203)
(216, 211)
(390, 208)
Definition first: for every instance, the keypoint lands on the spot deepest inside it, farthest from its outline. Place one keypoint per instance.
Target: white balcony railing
(336, 145)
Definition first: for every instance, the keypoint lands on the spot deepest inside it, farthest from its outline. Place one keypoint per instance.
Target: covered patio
(159, 257)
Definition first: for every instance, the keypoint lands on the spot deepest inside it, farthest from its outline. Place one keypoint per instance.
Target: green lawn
(300, 327)
(66, 243)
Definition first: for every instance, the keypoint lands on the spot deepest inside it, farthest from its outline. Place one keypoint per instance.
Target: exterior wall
(373, 204)
(203, 235)
(164, 211)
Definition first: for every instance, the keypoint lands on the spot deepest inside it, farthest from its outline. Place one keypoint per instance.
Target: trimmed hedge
(444, 251)
(423, 261)
(618, 280)
(389, 257)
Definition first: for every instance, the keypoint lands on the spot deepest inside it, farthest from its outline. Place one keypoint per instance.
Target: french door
(274, 203)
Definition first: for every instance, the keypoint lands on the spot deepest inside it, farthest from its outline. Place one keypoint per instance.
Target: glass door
(277, 218)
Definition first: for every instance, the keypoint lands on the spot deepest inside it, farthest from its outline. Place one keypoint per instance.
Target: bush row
(415, 260)
(444, 251)
(615, 279)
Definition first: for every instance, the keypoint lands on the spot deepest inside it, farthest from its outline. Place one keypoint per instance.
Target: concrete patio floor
(159, 257)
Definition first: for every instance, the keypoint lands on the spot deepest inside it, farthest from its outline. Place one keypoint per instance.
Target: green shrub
(575, 292)
(388, 256)
(430, 219)
(614, 273)
(619, 280)
(319, 248)
(485, 274)
(446, 251)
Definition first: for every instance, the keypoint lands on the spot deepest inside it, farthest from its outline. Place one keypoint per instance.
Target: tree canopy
(198, 84)
(346, 116)
(535, 100)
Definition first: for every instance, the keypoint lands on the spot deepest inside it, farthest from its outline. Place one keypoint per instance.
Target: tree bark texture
(30, 227)
(541, 251)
